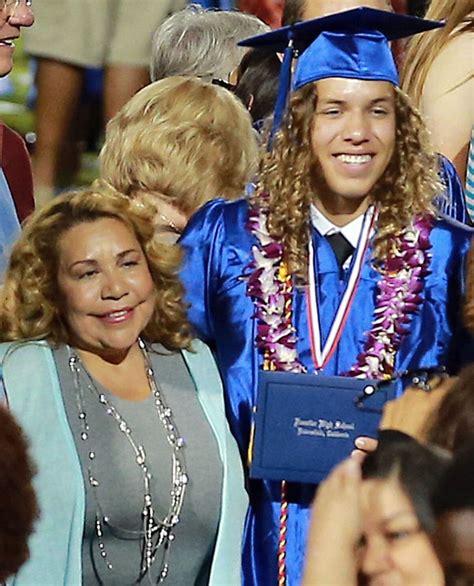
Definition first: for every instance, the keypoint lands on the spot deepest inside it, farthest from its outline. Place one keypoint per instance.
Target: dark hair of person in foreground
(416, 467)
(18, 507)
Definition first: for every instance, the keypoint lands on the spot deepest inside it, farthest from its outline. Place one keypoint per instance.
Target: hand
(364, 445)
(335, 530)
(412, 411)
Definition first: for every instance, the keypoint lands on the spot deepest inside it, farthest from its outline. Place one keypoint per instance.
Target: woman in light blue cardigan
(100, 369)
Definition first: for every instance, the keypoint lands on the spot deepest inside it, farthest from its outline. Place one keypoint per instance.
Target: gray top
(121, 483)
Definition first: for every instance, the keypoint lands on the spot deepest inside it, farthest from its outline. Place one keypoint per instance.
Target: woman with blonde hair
(138, 477)
(182, 141)
(438, 75)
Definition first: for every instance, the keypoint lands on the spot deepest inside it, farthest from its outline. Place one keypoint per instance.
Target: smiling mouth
(354, 159)
(119, 316)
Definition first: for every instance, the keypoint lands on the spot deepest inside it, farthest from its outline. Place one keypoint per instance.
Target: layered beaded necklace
(156, 533)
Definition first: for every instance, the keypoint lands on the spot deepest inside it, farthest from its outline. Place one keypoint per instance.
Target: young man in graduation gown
(452, 202)
(337, 263)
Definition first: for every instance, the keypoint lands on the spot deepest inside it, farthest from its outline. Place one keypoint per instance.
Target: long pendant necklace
(156, 533)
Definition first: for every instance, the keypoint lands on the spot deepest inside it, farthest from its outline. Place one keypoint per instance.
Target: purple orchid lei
(270, 287)
(399, 295)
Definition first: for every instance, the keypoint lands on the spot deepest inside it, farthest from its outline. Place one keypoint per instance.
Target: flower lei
(270, 286)
(399, 295)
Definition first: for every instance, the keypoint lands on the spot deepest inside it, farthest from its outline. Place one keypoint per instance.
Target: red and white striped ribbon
(322, 353)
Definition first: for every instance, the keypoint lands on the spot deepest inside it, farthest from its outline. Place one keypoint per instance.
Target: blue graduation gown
(453, 202)
(218, 252)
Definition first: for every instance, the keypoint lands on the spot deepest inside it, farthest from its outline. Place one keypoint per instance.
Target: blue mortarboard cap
(350, 44)
(390, 24)
(362, 55)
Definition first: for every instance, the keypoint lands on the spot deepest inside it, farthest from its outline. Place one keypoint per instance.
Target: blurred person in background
(438, 74)
(257, 83)
(296, 10)
(180, 142)
(16, 184)
(90, 35)
(18, 506)
(202, 43)
(270, 11)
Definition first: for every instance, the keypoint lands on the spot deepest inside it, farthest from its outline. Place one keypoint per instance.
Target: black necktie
(343, 249)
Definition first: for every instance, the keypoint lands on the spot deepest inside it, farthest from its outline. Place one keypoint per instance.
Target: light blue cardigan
(34, 396)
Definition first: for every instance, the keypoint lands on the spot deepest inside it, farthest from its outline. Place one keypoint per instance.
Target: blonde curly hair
(183, 139)
(30, 300)
(287, 173)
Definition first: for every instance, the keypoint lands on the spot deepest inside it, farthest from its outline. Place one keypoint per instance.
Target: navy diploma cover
(305, 423)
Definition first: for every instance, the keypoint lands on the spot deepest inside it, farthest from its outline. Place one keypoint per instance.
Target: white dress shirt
(325, 227)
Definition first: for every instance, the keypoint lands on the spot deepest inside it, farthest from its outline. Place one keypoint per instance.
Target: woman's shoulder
(452, 66)
(31, 347)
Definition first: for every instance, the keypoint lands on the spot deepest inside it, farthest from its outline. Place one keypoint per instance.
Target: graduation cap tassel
(283, 89)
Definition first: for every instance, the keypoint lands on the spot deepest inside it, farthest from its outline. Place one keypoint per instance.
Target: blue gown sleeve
(451, 260)
(453, 201)
(202, 243)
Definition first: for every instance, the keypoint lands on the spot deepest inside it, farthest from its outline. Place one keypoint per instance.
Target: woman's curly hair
(288, 175)
(18, 505)
(30, 300)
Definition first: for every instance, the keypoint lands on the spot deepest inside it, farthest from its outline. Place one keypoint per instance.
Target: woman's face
(394, 550)
(107, 292)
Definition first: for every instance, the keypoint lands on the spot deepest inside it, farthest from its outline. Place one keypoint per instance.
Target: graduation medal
(399, 295)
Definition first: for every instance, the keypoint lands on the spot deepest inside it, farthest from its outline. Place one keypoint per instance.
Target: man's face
(352, 135)
(13, 17)
(318, 8)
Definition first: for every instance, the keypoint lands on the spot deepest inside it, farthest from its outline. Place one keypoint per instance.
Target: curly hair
(30, 305)
(183, 139)
(287, 175)
(18, 505)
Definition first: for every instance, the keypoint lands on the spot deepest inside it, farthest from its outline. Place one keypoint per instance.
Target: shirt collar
(325, 227)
